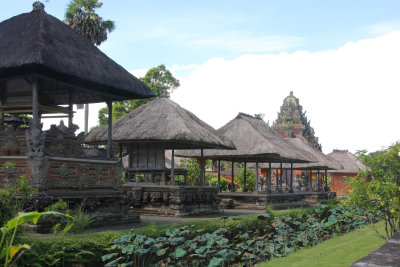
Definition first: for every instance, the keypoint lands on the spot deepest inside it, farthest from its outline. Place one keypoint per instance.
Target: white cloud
(384, 28)
(351, 94)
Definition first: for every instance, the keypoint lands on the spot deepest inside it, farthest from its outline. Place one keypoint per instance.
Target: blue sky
(340, 57)
(149, 33)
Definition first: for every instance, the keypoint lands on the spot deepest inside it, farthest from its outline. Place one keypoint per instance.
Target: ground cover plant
(234, 244)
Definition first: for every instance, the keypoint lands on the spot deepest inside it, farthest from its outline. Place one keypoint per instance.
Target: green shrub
(223, 183)
(250, 179)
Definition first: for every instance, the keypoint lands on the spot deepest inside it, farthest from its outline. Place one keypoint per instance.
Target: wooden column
(109, 140)
(219, 175)
(269, 178)
(256, 176)
(311, 189)
(291, 178)
(202, 171)
(70, 109)
(280, 178)
(35, 104)
(326, 180)
(173, 167)
(245, 177)
(86, 118)
(286, 179)
(233, 175)
(318, 181)
(2, 89)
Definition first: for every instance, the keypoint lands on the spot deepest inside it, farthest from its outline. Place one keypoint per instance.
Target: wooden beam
(173, 167)
(245, 177)
(233, 175)
(219, 175)
(256, 176)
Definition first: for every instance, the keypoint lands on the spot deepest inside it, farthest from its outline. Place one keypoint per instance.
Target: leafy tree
(80, 15)
(377, 187)
(250, 179)
(158, 79)
(193, 169)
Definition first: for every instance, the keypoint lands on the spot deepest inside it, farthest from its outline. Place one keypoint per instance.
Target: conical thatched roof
(348, 160)
(255, 142)
(324, 162)
(39, 44)
(162, 120)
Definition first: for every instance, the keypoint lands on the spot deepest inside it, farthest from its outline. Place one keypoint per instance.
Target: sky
(341, 58)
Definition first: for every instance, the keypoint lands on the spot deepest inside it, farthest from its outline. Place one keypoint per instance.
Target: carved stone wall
(174, 200)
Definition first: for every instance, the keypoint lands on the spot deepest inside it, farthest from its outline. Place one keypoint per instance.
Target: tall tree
(161, 82)
(81, 16)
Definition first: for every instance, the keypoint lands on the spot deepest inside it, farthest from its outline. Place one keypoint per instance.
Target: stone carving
(38, 169)
(35, 140)
(10, 144)
(61, 140)
(175, 200)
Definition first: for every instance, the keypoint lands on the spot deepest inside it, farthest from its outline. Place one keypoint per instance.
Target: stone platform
(254, 200)
(171, 200)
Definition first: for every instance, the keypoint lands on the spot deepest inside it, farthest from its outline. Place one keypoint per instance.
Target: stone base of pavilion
(254, 200)
(172, 200)
(107, 206)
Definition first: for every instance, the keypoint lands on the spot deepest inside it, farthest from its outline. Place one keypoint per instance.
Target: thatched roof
(255, 142)
(324, 162)
(348, 160)
(162, 120)
(38, 44)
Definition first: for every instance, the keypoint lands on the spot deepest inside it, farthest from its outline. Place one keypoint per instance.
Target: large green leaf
(215, 262)
(179, 253)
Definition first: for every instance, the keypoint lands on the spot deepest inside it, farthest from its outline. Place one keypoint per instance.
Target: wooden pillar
(233, 177)
(219, 175)
(318, 181)
(86, 118)
(2, 90)
(311, 189)
(256, 176)
(120, 151)
(280, 178)
(70, 109)
(35, 104)
(109, 140)
(326, 180)
(286, 179)
(245, 177)
(173, 167)
(269, 178)
(291, 178)
(202, 171)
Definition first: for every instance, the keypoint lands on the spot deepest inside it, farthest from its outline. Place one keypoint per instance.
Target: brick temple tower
(293, 121)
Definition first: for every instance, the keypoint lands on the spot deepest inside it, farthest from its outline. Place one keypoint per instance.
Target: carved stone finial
(35, 142)
(38, 6)
(291, 92)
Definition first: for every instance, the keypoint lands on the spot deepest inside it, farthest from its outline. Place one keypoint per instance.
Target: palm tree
(82, 18)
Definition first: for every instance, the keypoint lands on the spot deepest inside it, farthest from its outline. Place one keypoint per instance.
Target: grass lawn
(337, 251)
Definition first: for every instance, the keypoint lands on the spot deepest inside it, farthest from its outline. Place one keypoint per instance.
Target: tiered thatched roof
(38, 44)
(348, 160)
(324, 162)
(162, 120)
(255, 142)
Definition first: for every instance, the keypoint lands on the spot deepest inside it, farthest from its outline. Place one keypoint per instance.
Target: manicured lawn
(337, 251)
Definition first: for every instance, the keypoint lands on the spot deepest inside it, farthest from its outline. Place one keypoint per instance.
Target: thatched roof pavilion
(156, 126)
(255, 142)
(45, 63)
(347, 160)
(36, 44)
(162, 120)
(323, 162)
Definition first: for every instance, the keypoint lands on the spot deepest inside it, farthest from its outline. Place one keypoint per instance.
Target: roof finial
(291, 92)
(38, 6)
